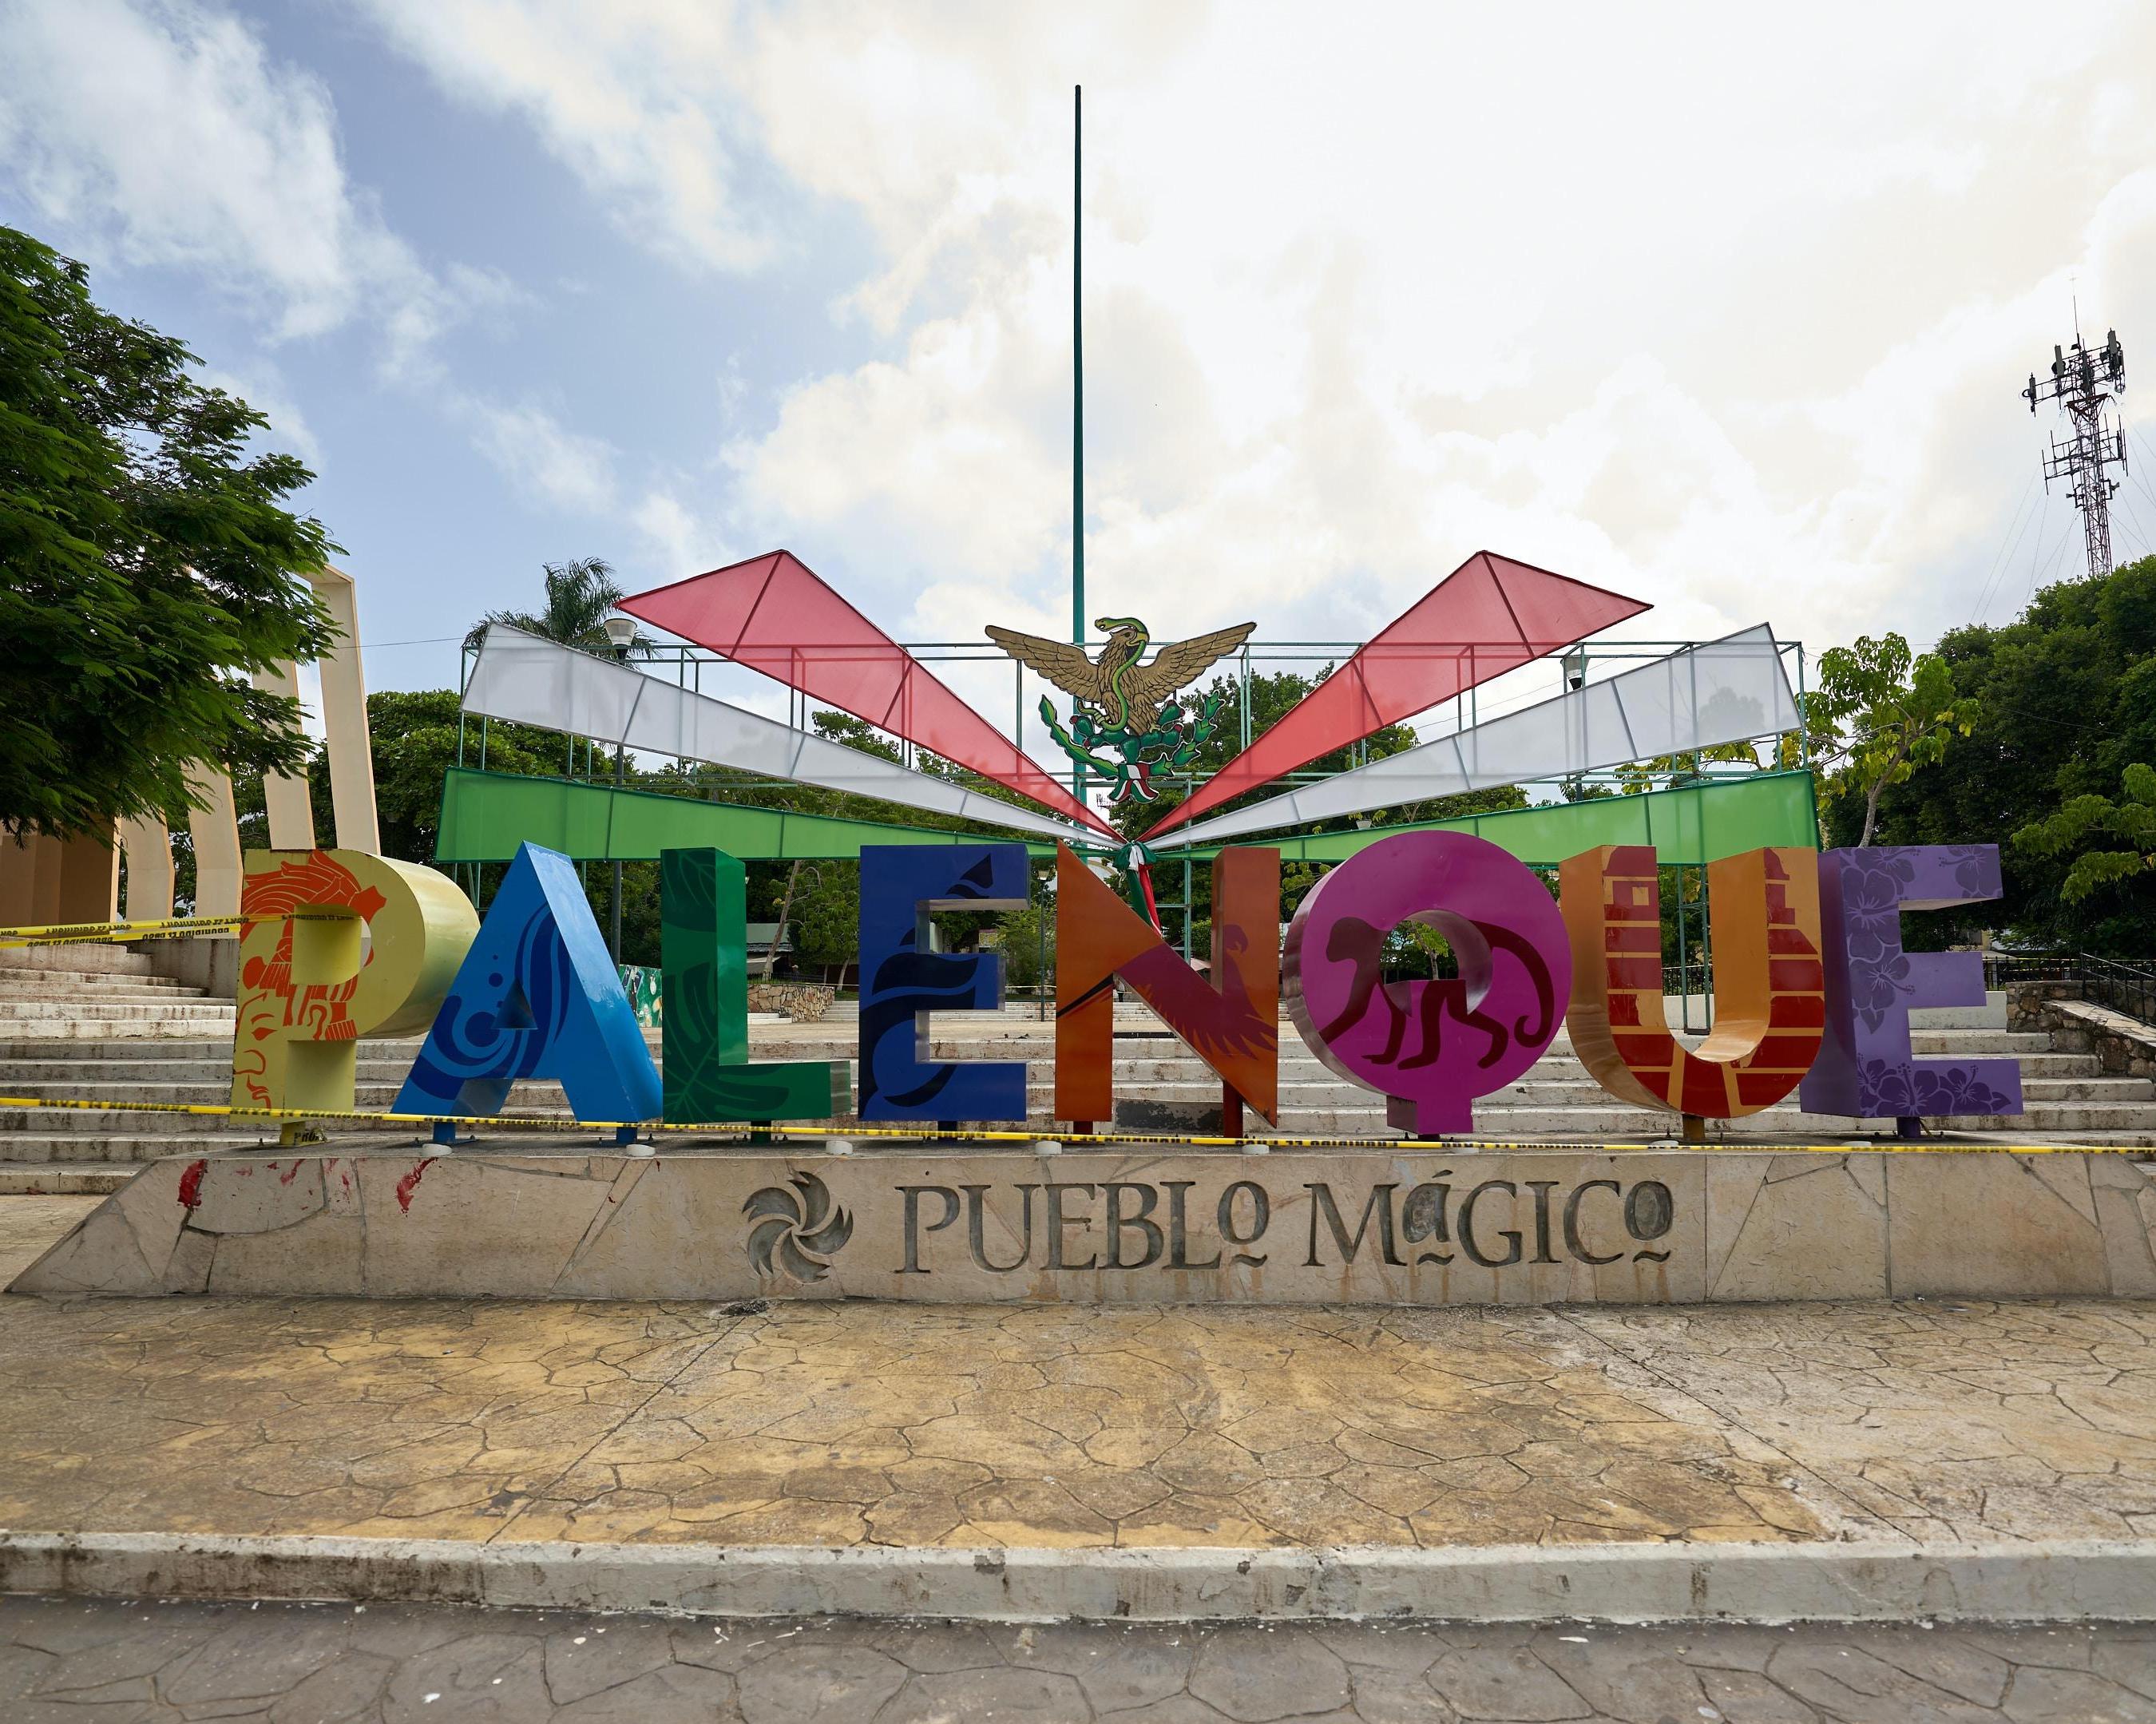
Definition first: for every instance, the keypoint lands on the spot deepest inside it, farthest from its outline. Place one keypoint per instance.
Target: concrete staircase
(91, 1023)
(1160, 1084)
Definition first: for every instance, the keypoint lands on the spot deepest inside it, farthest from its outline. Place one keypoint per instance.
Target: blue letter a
(537, 997)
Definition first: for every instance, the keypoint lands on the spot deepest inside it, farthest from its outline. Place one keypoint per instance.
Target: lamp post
(621, 636)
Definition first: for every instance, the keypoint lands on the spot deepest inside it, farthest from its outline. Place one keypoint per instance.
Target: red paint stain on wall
(191, 1179)
(410, 1184)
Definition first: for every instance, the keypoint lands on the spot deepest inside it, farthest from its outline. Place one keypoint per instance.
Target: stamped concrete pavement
(863, 1424)
(71, 1661)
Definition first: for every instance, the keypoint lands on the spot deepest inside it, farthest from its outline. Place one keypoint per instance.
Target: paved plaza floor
(868, 1424)
(70, 1661)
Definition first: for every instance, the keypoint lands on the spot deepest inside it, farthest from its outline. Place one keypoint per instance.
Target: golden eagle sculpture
(1123, 705)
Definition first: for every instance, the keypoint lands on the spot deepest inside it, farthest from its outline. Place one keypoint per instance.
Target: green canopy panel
(486, 815)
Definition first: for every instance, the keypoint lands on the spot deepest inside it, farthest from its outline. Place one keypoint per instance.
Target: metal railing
(2122, 985)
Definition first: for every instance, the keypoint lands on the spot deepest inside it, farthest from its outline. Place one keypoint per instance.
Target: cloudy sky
(1724, 308)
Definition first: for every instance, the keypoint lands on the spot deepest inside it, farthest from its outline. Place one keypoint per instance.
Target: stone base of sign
(962, 1223)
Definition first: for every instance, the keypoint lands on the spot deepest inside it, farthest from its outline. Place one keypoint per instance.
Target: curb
(2062, 1580)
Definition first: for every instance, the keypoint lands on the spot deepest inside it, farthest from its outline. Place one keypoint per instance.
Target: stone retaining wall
(962, 1223)
(803, 1002)
(2123, 1046)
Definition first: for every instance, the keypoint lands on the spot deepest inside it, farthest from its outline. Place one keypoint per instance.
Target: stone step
(42, 1149)
(1559, 1068)
(158, 1023)
(108, 1121)
(1626, 1125)
(196, 1013)
(35, 1179)
(141, 989)
(98, 959)
(1531, 1092)
(99, 1044)
(18, 976)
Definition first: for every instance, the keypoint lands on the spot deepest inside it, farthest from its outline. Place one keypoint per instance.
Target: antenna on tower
(2083, 384)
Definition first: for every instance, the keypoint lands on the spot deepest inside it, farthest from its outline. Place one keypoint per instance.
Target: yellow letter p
(307, 992)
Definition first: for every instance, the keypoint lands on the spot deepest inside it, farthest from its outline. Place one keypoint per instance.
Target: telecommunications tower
(2083, 384)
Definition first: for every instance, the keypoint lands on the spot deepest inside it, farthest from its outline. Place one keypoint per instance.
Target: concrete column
(148, 846)
(86, 885)
(291, 810)
(18, 877)
(344, 719)
(215, 830)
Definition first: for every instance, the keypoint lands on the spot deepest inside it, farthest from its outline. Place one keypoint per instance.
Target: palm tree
(579, 595)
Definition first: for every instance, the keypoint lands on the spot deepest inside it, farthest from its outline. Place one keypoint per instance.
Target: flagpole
(1077, 397)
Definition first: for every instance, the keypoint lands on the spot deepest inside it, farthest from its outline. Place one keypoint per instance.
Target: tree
(148, 565)
(2066, 702)
(581, 594)
(2082, 818)
(415, 743)
(1886, 716)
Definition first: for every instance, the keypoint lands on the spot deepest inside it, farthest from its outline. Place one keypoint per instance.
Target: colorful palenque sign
(1430, 1047)
(1769, 985)
(537, 997)
(308, 991)
(703, 932)
(531, 993)
(1866, 1067)
(904, 978)
(1232, 1022)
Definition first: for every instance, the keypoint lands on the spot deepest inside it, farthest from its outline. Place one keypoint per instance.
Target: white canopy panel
(528, 679)
(1725, 690)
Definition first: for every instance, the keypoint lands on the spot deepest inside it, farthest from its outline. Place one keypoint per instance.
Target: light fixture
(620, 633)
(1575, 669)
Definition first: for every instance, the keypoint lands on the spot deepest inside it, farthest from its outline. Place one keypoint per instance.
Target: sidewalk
(941, 1435)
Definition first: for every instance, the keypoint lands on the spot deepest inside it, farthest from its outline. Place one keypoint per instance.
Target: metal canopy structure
(528, 679)
(1490, 615)
(774, 615)
(1726, 690)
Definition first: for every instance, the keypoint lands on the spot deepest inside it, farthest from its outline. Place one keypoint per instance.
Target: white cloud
(634, 96)
(264, 391)
(160, 133)
(1731, 323)
(545, 461)
(1720, 311)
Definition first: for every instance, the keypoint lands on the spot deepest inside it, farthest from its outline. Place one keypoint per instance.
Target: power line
(2004, 558)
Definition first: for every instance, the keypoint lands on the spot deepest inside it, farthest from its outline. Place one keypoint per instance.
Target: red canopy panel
(775, 614)
(1488, 616)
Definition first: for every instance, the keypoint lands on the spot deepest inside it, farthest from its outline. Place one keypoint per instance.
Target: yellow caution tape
(539, 1122)
(178, 927)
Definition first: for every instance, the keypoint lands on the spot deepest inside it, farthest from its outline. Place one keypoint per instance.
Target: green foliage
(1666, 771)
(2065, 702)
(2082, 818)
(1883, 716)
(1026, 938)
(1272, 695)
(827, 916)
(415, 743)
(147, 564)
(581, 594)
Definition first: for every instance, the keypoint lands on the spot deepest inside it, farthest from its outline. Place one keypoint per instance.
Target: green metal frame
(486, 815)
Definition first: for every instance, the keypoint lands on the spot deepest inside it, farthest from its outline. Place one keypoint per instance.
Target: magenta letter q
(1432, 1047)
